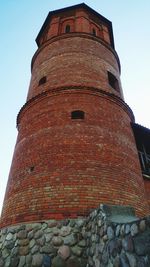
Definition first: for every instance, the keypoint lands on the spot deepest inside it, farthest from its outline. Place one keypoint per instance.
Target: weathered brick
(64, 167)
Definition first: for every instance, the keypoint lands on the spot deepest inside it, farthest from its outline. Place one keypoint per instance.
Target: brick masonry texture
(147, 188)
(74, 60)
(64, 167)
(77, 163)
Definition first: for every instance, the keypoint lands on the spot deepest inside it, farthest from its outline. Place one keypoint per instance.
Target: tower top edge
(75, 7)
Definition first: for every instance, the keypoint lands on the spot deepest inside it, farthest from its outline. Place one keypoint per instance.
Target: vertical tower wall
(66, 163)
(147, 188)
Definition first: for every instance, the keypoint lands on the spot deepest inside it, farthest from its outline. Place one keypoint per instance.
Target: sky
(20, 22)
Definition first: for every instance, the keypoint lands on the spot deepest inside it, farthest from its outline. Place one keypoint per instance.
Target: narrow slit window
(67, 29)
(94, 32)
(77, 114)
(113, 82)
(42, 80)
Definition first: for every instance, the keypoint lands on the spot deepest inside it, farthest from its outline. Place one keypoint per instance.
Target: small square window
(77, 114)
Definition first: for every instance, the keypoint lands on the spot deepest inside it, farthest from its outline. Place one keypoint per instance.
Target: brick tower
(75, 147)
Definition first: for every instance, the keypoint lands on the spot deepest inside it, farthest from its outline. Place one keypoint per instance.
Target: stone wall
(115, 238)
(109, 237)
(51, 243)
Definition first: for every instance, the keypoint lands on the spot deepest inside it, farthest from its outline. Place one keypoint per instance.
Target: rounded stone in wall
(58, 262)
(37, 260)
(57, 241)
(65, 231)
(64, 252)
(73, 262)
(1, 263)
(47, 261)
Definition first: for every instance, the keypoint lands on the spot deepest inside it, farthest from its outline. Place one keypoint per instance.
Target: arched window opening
(113, 82)
(77, 114)
(94, 32)
(42, 80)
(67, 29)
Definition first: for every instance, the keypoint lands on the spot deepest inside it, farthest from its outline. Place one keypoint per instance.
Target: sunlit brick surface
(62, 167)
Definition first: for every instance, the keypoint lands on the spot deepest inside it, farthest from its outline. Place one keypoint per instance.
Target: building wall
(64, 167)
(147, 189)
(74, 60)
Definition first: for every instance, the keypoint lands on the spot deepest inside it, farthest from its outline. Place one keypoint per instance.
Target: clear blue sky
(20, 22)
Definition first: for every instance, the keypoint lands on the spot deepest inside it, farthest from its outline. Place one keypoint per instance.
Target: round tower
(75, 147)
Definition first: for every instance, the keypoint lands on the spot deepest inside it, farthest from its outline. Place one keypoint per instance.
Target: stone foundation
(109, 237)
(115, 238)
(50, 243)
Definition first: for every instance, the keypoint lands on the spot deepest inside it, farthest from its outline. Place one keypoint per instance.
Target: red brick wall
(80, 21)
(78, 164)
(63, 167)
(75, 60)
(147, 188)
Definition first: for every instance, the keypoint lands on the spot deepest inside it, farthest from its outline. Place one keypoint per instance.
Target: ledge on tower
(119, 214)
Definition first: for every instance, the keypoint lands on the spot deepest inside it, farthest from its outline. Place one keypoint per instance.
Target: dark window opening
(94, 32)
(42, 80)
(113, 81)
(145, 161)
(31, 169)
(77, 114)
(67, 29)
(142, 138)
